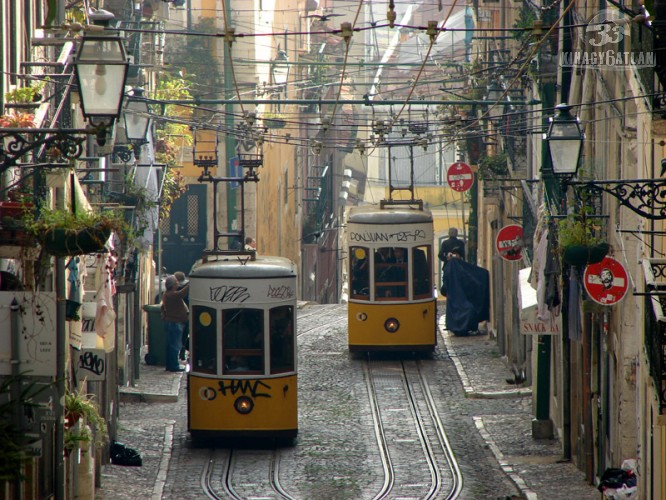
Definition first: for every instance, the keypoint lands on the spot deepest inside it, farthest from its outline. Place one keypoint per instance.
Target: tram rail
(393, 386)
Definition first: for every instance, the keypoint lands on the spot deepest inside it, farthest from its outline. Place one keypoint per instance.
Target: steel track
(217, 476)
(392, 429)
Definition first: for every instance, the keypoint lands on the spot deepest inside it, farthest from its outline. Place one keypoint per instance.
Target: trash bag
(122, 455)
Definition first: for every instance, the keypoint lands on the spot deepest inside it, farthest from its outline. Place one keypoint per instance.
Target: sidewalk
(534, 466)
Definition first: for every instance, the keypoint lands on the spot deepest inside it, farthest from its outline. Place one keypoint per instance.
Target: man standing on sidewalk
(175, 315)
(451, 248)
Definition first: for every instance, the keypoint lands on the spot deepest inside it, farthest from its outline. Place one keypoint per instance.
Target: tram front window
(243, 340)
(203, 339)
(282, 339)
(391, 273)
(360, 273)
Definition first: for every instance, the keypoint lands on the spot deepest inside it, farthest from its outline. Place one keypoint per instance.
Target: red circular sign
(509, 242)
(460, 177)
(606, 282)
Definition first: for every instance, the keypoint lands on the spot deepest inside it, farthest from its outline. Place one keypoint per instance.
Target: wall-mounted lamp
(137, 120)
(565, 143)
(493, 95)
(280, 70)
(101, 64)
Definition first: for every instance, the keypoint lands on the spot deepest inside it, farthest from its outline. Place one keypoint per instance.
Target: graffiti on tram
(398, 236)
(253, 388)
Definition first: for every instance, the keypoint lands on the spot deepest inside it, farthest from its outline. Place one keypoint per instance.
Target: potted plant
(25, 97)
(578, 243)
(17, 120)
(64, 233)
(82, 416)
(274, 120)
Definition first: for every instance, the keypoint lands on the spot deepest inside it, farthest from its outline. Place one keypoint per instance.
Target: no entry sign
(606, 282)
(509, 242)
(460, 177)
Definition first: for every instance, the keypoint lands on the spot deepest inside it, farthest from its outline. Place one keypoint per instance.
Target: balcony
(655, 325)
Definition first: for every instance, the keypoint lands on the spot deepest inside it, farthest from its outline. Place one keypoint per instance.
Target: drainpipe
(16, 373)
(61, 371)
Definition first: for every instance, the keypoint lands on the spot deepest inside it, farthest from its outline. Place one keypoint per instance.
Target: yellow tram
(392, 303)
(243, 376)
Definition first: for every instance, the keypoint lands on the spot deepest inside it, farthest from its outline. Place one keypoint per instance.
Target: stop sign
(606, 282)
(460, 177)
(509, 242)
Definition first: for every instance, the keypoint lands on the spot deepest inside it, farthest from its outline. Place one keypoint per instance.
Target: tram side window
(282, 339)
(422, 277)
(203, 339)
(243, 340)
(391, 273)
(360, 273)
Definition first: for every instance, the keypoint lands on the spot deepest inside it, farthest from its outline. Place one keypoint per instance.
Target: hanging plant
(273, 120)
(63, 233)
(577, 240)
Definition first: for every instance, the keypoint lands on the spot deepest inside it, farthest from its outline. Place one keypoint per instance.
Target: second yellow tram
(392, 302)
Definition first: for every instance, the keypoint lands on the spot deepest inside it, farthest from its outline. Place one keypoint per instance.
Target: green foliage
(273, 120)
(174, 186)
(190, 57)
(48, 219)
(576, 230)
(25, 95)
(79, 405)
(14, 441)
(526, 18)
(493, 166)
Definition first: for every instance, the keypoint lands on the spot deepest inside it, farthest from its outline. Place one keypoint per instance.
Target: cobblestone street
(487, 421)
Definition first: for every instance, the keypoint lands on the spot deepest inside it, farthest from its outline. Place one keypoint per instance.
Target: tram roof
(376, 215)
(232, 266)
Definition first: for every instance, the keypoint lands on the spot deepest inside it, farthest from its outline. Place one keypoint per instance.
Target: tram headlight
(392, 325)
(244, 405)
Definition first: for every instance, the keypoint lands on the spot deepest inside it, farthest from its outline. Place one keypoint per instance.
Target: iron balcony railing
(655, 325)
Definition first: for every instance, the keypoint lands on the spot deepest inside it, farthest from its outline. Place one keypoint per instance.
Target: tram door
(184, 232)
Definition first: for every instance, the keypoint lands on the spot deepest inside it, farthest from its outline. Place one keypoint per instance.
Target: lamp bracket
(646, 197)
(122, 152)
(16, 143)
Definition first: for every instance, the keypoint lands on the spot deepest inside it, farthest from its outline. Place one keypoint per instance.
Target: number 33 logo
(604, 34)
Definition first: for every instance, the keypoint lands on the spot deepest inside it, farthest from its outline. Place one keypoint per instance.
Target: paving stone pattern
(488, 423)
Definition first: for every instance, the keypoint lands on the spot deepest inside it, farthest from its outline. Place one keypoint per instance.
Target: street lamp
(280, 70)
(565, 143)
(137, 120)
(493, 96)
(101, 64)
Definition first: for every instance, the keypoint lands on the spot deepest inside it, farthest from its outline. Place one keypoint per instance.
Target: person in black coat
(453, 247)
